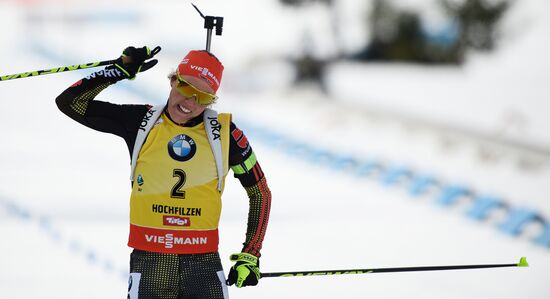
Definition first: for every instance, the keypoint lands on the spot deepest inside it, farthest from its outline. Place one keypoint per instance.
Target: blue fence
(58, 237)
(480, 206)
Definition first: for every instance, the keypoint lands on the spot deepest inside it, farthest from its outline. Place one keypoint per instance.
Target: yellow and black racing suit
(175, 205)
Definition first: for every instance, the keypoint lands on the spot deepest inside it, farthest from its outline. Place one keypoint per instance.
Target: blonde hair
(173, 75)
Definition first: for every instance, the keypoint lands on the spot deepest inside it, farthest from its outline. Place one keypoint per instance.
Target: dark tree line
(398, 35)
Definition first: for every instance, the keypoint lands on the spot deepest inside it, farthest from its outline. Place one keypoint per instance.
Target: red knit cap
(202, 65)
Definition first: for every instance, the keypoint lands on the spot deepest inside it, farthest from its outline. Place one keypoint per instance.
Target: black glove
(132, 61)
(245, 272)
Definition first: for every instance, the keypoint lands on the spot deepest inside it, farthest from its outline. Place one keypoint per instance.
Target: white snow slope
(64, 188)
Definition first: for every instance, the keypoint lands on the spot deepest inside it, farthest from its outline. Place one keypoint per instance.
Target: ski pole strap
(56, 70)
(522, 263)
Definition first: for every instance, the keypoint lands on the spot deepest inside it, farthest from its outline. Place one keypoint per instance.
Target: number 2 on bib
(176, 190)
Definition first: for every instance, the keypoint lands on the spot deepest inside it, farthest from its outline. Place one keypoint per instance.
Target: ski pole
(209, 23)
(75, 67)
(57, 70)
(522, 263)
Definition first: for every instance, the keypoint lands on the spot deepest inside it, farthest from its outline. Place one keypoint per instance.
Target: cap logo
(205, 72)
(185, 61)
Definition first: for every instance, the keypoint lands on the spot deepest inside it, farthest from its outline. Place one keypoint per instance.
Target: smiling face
(181, 108)
(193, 85)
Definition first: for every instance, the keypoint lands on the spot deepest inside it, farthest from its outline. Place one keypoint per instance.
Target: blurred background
(392, 134)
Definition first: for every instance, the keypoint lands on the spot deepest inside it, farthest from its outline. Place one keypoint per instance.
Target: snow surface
(64, 188)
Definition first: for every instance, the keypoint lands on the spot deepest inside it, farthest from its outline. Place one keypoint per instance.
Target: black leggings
(176, 276)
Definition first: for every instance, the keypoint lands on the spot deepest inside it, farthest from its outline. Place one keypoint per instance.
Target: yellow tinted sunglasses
(189, 91)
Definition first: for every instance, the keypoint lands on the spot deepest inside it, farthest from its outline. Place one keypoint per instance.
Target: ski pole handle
(209, 23)
(57, 70)
(522, 263)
